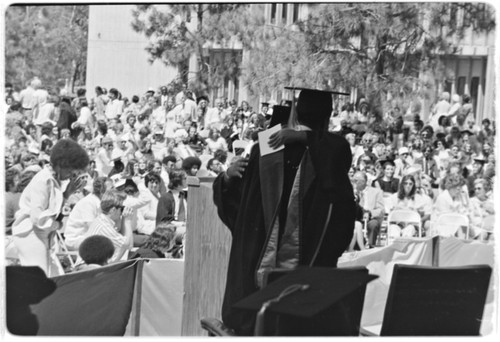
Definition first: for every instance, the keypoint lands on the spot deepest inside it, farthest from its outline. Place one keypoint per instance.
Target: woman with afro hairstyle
(41, 202)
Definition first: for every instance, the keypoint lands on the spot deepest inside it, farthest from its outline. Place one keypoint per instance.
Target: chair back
(406, 216)
(448, 224)
(433, 301)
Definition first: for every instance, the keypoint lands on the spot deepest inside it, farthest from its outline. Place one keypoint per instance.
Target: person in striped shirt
(113, 224)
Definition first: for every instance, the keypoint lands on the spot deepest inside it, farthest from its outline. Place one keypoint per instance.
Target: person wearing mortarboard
(293, 207)
(264, 109)
(477, 173)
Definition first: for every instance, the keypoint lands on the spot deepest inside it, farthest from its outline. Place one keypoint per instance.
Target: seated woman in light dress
(482, 207)
(215, 141)
(407, 198)
(453, 199)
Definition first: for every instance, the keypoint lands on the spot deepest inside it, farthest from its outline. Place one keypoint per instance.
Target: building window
(461, 85)
(273, 13)
(467, 15)
(295, 12)
(284, 13)
(474, 90)
(225, 65)
(448, 86)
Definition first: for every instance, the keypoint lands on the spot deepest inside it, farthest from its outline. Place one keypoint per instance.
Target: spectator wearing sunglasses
(110, 223)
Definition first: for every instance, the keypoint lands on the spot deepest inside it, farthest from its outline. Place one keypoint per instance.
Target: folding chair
(448, 224)
(434, 301)
(407, 217)
(487, 227)
(62, 250)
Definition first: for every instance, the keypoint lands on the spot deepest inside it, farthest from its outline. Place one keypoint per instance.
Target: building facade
(116, 58)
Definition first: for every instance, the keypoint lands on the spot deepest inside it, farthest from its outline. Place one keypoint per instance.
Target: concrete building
(116, 54)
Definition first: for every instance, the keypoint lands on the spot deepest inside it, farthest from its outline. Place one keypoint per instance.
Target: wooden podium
(208, 243)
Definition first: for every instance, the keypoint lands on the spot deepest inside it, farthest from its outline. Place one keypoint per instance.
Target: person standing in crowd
(99, 103)
(28, 99)
(245, 203)
(66, 115)
(114, 107)
(41, 203)
(164, 96)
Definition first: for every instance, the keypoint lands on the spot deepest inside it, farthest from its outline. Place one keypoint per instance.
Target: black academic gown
(248, 206)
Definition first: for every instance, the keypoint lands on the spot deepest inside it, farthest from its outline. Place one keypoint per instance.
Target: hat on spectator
(466, 131)
(118, 180)
(106, 140)
(158, 130)
(480, 159)
(150, 90)
(403, 150)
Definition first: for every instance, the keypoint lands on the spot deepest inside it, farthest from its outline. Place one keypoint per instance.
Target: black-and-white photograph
(248, 169)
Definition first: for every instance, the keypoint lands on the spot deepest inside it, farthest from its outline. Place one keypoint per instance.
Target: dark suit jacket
(166, 208)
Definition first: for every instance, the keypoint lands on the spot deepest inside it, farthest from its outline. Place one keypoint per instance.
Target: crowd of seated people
(142, 150)
(443, 165)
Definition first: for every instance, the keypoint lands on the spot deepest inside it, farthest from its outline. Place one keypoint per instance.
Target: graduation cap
(466, 131)
(280, 115)
(265, 104)
(314, 106)
(312, 301)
